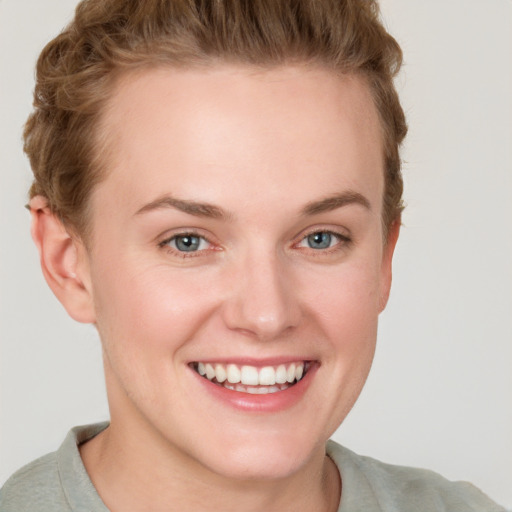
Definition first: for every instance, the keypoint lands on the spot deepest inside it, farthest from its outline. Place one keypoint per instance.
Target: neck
(144, 473)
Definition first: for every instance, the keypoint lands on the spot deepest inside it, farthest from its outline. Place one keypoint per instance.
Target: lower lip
(270, 402)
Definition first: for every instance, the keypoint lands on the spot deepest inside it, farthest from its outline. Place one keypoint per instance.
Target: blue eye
(320, 240)
(187, 243)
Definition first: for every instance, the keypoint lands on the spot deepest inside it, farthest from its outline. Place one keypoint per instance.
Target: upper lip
(257, 362)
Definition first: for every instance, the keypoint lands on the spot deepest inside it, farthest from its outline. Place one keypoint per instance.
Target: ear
(387, 262)
(63, 261)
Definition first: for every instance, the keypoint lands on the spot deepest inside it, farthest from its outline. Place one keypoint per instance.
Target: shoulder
(57, 482)
(35, 486)
(397, 488)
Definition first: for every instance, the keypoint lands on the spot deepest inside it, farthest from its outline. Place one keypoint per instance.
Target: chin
(266, 457)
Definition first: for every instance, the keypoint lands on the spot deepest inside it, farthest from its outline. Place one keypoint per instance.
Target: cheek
(347, 302)
(148, 314)
(347, 311)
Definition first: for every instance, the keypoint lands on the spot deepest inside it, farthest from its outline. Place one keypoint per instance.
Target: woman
(217, 189)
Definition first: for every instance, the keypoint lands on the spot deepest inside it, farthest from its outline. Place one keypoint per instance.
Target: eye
(321, 240)
(187, 242)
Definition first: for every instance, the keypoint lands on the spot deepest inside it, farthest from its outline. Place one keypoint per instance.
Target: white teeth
(290, 374)
(220, 373)
(249, 376)
(260, 390)
(233, 373)
(267, 376)
(268, 379)
(210, 372)
(281, 374)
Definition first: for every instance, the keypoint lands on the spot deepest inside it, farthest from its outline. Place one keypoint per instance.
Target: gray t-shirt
(58, 482)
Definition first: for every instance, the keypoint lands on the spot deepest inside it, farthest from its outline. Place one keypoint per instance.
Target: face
(237, 265)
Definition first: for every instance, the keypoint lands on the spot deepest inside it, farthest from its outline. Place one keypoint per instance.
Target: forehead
(184, 131)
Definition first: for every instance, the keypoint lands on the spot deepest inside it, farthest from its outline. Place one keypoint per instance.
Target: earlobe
(63, 262)
(387, 263)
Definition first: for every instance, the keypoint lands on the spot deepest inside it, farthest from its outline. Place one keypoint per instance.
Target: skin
(259, 145)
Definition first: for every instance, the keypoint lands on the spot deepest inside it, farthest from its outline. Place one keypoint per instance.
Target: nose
(262, 299)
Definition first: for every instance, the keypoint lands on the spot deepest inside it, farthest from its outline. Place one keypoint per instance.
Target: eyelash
(164, 244)
(343, 241)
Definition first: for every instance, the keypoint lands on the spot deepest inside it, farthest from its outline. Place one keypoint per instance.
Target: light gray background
(440, 392)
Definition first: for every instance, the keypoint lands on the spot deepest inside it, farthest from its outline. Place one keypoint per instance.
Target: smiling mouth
(252, 379)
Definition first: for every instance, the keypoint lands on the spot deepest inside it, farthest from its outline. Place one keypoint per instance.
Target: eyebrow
(214, 212)
(336, 201)
(186, 206)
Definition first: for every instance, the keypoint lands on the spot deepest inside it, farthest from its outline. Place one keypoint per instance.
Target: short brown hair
(76, 70)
